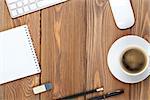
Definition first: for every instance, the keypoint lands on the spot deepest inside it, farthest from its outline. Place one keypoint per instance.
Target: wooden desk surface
(72, 40)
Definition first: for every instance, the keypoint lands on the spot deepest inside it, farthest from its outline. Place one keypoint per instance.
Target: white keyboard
(21, 7)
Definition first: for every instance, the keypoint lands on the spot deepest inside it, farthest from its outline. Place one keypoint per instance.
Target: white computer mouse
(123, 13)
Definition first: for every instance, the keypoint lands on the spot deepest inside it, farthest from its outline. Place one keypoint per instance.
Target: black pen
(107, 95)
(82, 94)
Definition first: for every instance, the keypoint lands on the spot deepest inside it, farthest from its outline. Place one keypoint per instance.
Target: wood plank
(141, 90)
(21, 89)
(63, 48)
(101, 33)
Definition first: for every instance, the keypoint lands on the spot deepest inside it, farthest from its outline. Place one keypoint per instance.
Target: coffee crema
(133, 60)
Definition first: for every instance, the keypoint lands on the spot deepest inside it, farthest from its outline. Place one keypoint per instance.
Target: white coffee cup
(118, 48)
(144, 53)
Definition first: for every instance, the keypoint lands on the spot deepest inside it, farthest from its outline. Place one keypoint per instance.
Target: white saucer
(114, 55)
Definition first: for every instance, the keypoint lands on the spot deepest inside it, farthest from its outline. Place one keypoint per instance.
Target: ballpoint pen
(107, 95)
(82, 94)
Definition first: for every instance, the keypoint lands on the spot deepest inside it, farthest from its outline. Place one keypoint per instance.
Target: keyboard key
(33, 6)
(13, 6)
(11, 1)
(19, 4)
(14, 12)
(26, 8)
(31, 1)
(20, 10)
(42, 3)
(25, 2)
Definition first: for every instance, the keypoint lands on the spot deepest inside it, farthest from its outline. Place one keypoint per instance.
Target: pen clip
(116, 92)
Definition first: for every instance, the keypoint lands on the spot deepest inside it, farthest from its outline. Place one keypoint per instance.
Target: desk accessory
(21, 7)
(82, 94)
(107, 95)
(17, 55)
(123, 13)
(116, 51)
(42, 88)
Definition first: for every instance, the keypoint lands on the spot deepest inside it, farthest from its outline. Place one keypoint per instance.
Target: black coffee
(133, 60)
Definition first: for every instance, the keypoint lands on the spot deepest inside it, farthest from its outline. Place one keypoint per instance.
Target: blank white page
(17, 55)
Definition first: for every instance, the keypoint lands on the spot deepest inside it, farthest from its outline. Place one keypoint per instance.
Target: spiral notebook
(17, 55)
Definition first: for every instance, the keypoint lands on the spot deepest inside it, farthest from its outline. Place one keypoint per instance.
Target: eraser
(42, 88)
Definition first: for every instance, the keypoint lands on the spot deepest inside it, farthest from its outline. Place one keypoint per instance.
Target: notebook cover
(17, 55)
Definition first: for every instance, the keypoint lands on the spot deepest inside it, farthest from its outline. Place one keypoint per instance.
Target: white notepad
(17, 55)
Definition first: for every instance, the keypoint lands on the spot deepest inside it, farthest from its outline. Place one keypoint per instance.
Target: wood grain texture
(63, 48)
(101, 33)
(72, 41)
